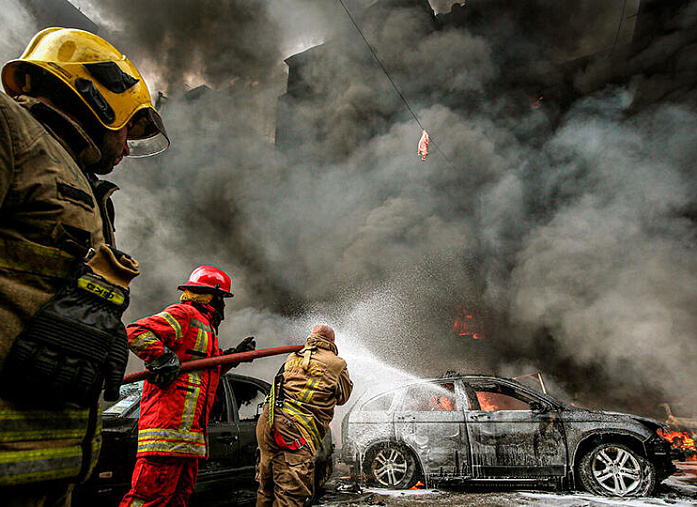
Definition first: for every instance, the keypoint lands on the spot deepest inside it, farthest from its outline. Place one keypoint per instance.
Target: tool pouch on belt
(75, 343)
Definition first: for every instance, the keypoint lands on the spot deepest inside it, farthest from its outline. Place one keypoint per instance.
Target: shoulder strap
(276, 393)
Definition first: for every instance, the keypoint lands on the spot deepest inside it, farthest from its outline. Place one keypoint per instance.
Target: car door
(249, 401)
(512, 433)
(223, 437)
(430, 418)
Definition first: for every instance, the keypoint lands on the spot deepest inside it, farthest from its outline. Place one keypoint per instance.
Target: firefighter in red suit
(174, 407)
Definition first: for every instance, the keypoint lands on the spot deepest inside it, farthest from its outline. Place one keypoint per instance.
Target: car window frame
(461, 399)
(227, 402)
(235, 406)
(472, 399)
(395, 395)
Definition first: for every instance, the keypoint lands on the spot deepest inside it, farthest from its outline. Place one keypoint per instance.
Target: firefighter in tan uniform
(75, 106)
(296, 417)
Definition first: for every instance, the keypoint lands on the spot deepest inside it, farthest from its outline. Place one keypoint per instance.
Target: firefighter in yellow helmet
(73, 107)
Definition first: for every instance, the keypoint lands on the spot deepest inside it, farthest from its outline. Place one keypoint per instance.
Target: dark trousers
(37, 495)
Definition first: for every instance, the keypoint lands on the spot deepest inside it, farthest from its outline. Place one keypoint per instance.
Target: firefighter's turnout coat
(51, 213)
(315, 380)
(173, 419)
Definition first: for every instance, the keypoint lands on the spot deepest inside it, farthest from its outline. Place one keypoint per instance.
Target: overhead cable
(387, 74)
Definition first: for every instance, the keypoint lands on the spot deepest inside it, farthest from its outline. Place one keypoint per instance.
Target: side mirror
(537, 408)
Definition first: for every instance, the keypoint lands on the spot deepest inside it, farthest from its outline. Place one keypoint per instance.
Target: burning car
(231, 437)
(681, 432)
(483, 429)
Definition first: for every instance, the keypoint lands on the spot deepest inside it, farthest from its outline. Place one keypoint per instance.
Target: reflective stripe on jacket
(315, 380)
(51, 211)
(173, 419)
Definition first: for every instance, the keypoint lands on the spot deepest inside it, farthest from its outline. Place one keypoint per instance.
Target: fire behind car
(231, 438)
(482, 429)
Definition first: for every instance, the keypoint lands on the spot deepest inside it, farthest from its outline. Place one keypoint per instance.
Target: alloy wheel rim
(616, 471)
(389, 467)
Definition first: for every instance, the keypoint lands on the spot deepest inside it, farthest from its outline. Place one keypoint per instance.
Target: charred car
(482, 429)
(231, 438)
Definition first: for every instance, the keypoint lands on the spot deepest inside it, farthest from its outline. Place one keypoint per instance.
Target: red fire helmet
(209, 279)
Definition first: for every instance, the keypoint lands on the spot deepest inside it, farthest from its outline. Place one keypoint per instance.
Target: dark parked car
(231, 437)
(481, 429)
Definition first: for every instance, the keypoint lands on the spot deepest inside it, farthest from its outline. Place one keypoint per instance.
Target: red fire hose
(200, 364)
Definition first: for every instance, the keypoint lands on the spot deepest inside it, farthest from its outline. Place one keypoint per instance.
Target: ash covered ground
(678, 490)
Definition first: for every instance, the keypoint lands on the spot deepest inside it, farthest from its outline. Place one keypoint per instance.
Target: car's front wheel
(392, 466)
(612, 469)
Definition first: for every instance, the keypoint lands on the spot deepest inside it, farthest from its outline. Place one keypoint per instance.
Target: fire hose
(212, 362)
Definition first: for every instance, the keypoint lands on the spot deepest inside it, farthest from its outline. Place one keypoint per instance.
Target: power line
(619, 27)
(387, 74)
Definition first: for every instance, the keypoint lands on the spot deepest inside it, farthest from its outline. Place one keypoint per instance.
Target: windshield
(129, 398)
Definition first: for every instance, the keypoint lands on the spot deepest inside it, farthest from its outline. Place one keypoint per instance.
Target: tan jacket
(315, 380)
(51, 212)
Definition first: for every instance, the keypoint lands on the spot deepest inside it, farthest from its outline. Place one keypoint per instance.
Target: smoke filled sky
(566, 225)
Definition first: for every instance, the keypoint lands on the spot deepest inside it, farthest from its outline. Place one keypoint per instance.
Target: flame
(680, 439)
(466, 325)
(418, 485)
(486, 403)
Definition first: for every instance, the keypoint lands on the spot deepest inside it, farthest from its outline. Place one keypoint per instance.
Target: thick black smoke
(557, 204)
(210, 40)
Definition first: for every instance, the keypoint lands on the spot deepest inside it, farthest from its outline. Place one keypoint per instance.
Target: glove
(165, 368)
(246, 345)
(115, 365)
(114, 266)
(72, 345)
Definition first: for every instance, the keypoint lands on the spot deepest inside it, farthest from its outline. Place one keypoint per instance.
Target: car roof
(254, 380)
(456, 376)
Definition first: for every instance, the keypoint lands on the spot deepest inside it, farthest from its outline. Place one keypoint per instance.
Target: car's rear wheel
(612, 469)
(392, 466)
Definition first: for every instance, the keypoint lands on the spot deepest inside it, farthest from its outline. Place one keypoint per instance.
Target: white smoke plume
(18, 28)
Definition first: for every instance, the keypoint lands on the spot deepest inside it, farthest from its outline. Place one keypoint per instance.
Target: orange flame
(486, 403)
(466, 325)
(679, 439)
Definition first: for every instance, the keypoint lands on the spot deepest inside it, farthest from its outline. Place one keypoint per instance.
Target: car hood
(112, 424)
(608, 417)
(651, 423)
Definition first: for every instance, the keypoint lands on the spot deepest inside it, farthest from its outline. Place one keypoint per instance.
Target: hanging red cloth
(423, 145)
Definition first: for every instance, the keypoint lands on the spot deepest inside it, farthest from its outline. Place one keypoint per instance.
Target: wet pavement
(678, 490)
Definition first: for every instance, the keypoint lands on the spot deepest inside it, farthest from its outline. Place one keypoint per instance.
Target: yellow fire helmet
(104, 79)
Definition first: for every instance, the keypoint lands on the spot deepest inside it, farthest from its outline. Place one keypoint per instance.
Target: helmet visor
(146, 134)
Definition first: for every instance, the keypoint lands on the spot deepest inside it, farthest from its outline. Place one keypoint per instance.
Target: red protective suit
(173, 419)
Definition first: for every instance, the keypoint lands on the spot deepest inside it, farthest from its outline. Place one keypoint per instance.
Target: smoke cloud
(18, 28)
(557, 204)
